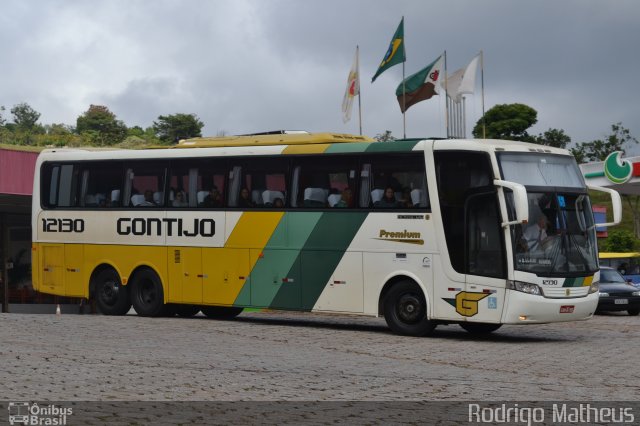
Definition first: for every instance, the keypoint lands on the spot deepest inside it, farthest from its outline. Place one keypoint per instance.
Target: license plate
(567, 309)
(621, 301)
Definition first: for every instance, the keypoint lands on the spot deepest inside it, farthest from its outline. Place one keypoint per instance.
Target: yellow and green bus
(422, 232)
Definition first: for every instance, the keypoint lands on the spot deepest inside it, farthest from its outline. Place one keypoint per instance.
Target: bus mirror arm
(616, 204)
(519, 200)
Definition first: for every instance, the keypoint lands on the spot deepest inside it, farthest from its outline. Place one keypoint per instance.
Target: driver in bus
(535, 235)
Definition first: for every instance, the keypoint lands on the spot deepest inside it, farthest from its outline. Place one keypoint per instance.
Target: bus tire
(147, 295)
(405, 310)
(634, 312)
(111, 297)
(221, 312)
(479, 327)
(184, 311)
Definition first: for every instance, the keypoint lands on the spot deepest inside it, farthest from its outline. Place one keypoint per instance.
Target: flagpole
(464, 117)
(446, 94)
(484, 127)
(404, 106)
(359, 89)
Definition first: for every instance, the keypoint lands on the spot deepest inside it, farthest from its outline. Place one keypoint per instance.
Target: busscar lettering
(167, 226)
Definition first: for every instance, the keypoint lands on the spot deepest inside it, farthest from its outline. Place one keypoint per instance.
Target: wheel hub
(109, 292)
(409, 308)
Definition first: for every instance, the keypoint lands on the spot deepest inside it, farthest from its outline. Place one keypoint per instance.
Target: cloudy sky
(253, 65)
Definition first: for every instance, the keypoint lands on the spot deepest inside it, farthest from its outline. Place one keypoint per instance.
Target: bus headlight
(595, 286)
(525, 287)
(601, 294)
(636, 293)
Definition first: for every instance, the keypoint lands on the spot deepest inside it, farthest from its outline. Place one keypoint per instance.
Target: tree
(25, 117)
(57, 129)
(553, 137)
(507, 121)
(619, 240)
(100, 126)
(2, 120)
(172, 128)
(385, 136)
(135, 131)
(598, 149)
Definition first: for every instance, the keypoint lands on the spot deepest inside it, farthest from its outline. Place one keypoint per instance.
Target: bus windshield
(560, 236)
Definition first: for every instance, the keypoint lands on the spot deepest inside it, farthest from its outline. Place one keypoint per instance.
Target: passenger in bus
(179, 200)
(405, 198)
(245, 199)
(148, 199)
(278, 203)
(346, 198)
(214, 199)
(388, 200)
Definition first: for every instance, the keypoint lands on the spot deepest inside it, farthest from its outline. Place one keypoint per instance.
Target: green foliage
(135, 131)
(553, 137)
(386, 136)
(172, 128)
(100, 126)
(25, 117)
(507, 121)
(598, 149)
(58, 129)
(619, 240)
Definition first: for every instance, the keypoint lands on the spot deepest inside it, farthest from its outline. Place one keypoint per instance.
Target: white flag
(353, 89)
(463, 81)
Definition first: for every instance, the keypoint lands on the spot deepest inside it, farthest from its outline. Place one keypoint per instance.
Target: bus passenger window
(265, 180)
(101, 185)
(319, 182)
(396, 181)
(144, 185)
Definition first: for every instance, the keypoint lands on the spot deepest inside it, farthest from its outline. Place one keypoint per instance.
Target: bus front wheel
(147, 295)
(111, 297)
(221, 312)
(405, 310)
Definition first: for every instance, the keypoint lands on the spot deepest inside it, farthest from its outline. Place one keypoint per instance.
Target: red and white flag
(353, 89)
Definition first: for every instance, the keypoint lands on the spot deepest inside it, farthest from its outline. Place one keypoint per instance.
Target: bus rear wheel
(147, 295)
(479, 327)
(405, 310)
(111, 297)
(221, 312)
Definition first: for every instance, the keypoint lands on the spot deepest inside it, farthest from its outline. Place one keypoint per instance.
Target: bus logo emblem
(466, 303)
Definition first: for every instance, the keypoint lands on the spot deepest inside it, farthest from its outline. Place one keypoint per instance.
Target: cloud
(246, 66)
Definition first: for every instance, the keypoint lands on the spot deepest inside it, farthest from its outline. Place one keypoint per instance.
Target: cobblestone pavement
(294, 356)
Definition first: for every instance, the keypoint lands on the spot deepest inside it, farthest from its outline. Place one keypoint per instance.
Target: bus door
(485, 259)
(472, 284)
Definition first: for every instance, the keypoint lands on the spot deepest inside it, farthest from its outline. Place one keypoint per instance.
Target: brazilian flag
(395, 54)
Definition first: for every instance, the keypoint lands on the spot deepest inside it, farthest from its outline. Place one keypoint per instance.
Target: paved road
(290, 356)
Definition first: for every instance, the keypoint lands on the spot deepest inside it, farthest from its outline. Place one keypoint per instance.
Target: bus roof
(271, 139)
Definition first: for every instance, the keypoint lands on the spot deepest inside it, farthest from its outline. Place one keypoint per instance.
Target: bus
(627, 263)
(420, 231)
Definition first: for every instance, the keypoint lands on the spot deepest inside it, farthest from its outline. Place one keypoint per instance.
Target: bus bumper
(523, 308)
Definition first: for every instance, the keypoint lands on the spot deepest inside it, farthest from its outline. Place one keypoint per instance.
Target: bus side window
(144, 184)
(394, 181)
(265, 181)
(320, 182)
